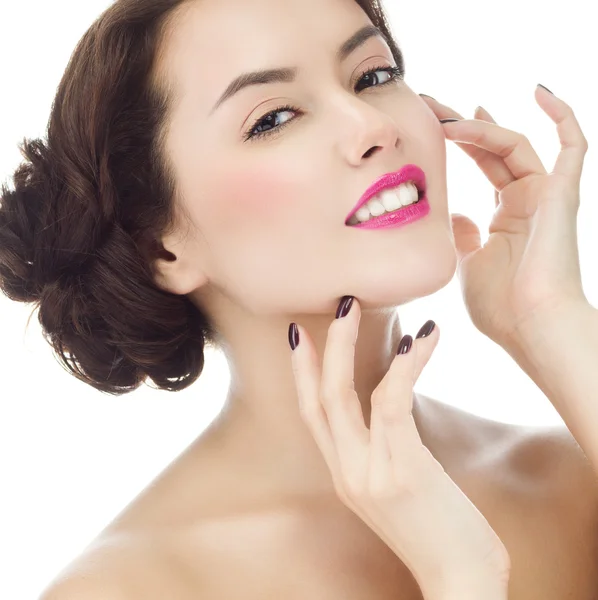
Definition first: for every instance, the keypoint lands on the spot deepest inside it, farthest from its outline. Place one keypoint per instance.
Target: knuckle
(584, 143)
(330, 394)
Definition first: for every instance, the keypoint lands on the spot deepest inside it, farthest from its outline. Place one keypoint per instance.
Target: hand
(384, 474)
(530, 262)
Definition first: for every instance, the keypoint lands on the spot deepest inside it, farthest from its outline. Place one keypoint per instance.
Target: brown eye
(269, 121)
(394, 73)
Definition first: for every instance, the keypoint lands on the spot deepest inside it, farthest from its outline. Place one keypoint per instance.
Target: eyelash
(396, 73)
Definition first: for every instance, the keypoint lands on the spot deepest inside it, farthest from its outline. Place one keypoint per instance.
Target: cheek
(255, 194)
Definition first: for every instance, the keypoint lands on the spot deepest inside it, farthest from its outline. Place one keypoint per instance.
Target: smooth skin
(529, 265)
(386, 475)
(250, 510)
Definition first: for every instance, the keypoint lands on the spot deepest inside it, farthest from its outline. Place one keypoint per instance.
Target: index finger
(337, 387)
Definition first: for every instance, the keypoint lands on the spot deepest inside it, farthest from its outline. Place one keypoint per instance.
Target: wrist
(548, 325)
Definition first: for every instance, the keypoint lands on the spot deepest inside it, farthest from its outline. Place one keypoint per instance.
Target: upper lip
(391, 180)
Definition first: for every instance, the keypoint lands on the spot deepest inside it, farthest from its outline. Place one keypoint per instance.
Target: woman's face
(268, 213)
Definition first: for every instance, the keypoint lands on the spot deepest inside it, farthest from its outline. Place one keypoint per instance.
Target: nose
(365, 130)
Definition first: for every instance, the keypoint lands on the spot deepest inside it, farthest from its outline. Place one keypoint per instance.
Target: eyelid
(397, 73)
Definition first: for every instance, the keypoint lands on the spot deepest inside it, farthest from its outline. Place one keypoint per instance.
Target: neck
(260, 429)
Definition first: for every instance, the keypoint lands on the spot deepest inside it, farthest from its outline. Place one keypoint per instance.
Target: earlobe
(176, 277)
(177, 266)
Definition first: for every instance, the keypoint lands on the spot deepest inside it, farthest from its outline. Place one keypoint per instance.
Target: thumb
(467, 235)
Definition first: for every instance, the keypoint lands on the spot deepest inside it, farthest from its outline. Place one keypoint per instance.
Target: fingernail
(543, 86)
(426, 330)
(448, 120)
(426, 95)
(344, 307)
(293, 335)
(405, 344)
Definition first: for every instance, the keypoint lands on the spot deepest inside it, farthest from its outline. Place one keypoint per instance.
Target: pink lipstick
(401, 216)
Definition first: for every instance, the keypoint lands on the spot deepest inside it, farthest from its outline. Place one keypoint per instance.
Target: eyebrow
(288, 74)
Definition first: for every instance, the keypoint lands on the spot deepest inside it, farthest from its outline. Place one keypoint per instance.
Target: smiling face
(268, 212)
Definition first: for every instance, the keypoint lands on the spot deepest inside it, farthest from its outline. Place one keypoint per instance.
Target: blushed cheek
(255, 194)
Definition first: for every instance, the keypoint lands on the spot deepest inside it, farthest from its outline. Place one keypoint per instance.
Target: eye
(269, 119)
(393, 72)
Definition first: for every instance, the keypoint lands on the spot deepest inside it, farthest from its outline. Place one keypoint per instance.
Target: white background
(72, 458)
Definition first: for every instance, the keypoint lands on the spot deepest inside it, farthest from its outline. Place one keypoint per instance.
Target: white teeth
(386, 201)
(393, 199)
(408, 194)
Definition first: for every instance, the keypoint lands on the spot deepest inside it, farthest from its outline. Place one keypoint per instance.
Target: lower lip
(401, 217)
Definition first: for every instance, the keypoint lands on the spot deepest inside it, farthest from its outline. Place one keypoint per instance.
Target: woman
(172, 208)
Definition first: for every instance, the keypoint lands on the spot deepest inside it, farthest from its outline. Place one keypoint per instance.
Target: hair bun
(21, 212)
(81, 232)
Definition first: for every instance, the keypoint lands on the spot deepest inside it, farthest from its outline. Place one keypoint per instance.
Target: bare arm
(559, 352)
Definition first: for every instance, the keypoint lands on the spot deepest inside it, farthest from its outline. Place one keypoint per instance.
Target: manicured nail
(448, 120)
(293, 335)
(426, 95)
(344, 307)
(543, 86)
(426, 330)
(405, 344)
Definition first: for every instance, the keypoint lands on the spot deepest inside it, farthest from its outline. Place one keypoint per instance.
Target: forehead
(212, 41)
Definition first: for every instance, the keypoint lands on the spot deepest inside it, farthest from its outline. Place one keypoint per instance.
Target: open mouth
(388, 201)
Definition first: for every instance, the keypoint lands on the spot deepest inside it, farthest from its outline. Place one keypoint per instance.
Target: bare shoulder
(538, 491)
(550, 524)
(100, 571)
(82, 589)
(125, 568)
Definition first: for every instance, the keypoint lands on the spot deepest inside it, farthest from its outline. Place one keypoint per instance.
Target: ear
(180, 269)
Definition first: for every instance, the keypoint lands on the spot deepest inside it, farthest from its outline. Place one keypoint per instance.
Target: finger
(307, 373)
(383, 406)
(425, 350)
(337, 390)
(481, 113)
(407, 367)
(379, 466)
(410, 460)
(493, 166)
(574, 144)
(392, 407)
(514, 148)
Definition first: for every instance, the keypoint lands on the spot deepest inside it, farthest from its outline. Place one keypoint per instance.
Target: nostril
(370, 151)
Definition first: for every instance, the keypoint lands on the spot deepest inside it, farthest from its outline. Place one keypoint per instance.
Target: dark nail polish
(543, 86)
(426, 95)
(405, 344)
(293, 335)
(448, 120)
(344, 307)
(426, 330)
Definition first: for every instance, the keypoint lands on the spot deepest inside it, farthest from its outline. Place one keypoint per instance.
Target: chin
(420, 271)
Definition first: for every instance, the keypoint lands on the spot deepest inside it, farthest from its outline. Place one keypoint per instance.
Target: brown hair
(81, 231)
